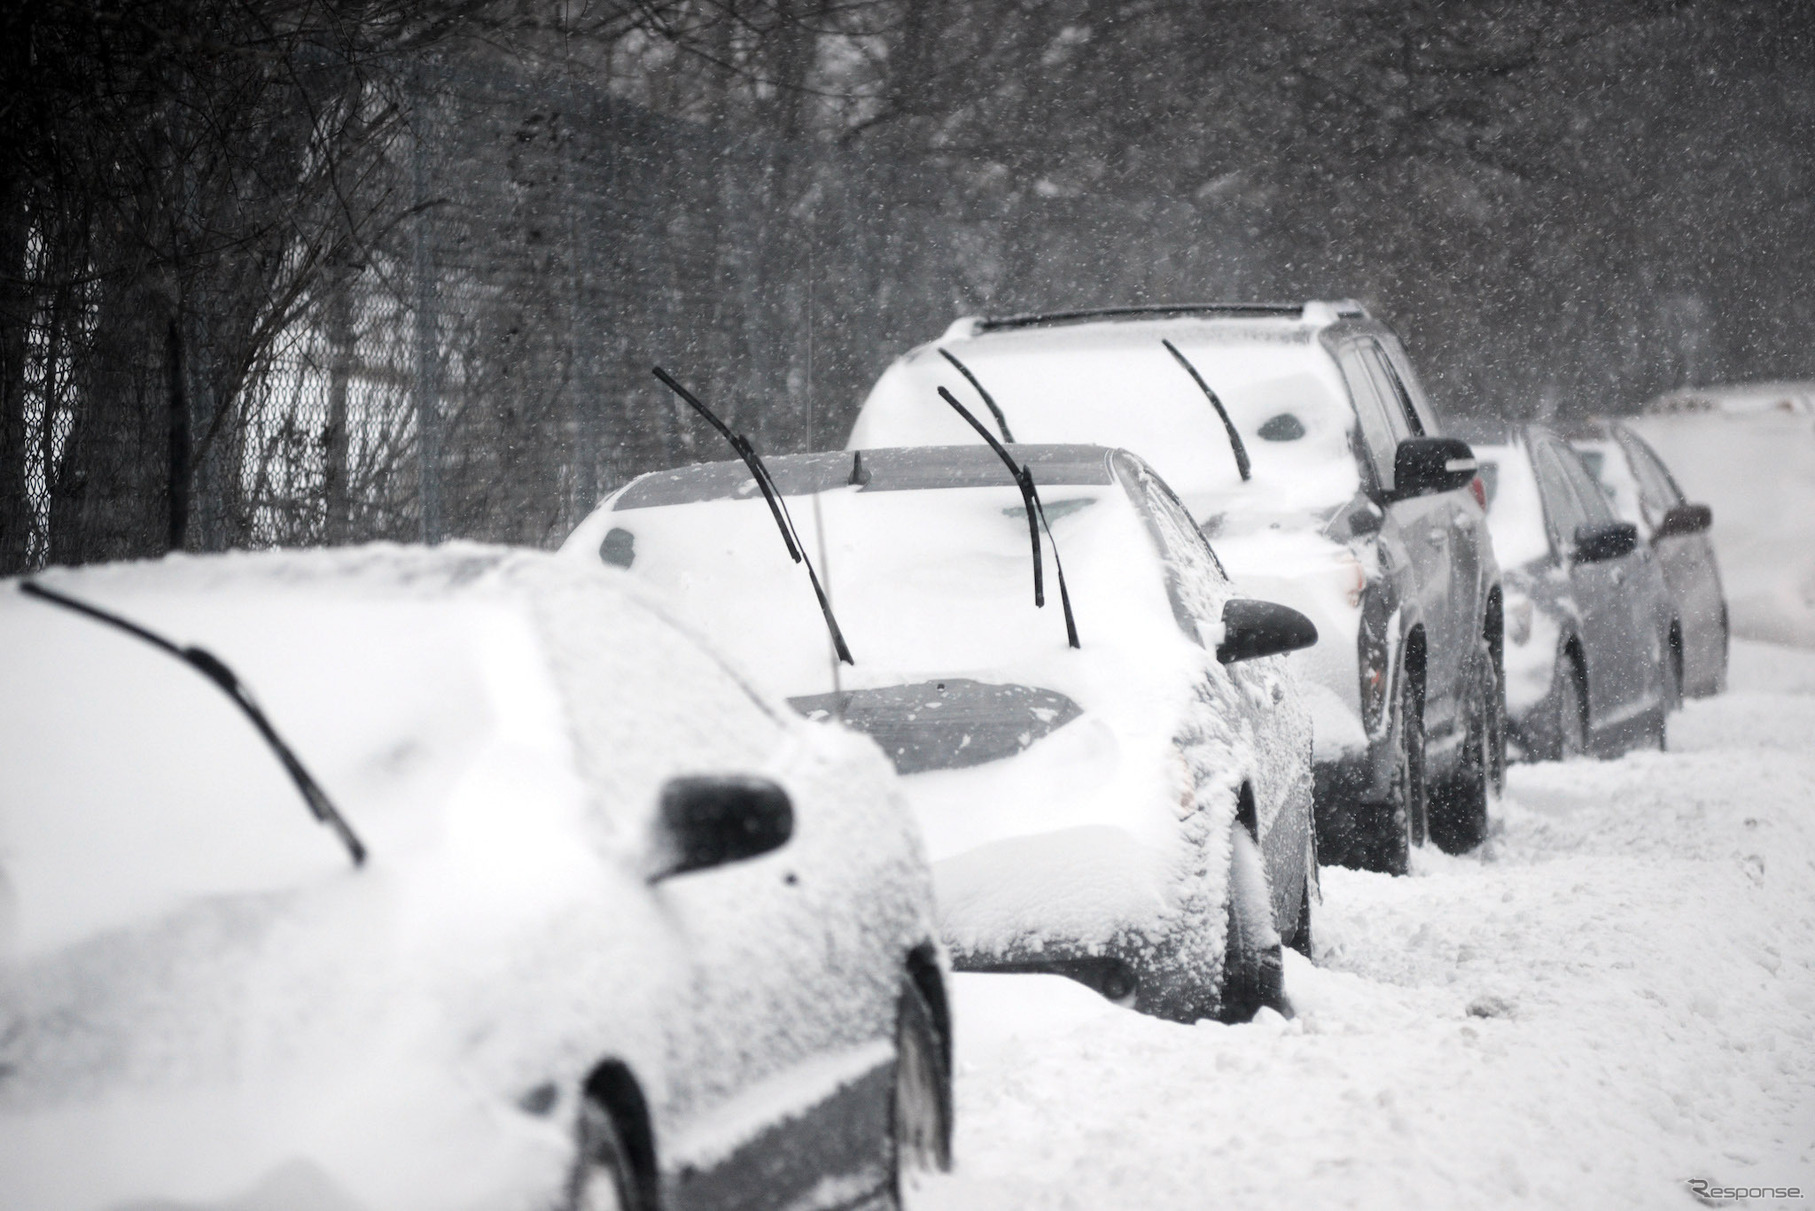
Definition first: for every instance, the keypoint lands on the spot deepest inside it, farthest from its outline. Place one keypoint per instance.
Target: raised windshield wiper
(797, 550)
(211, 667)
(1235, 439)
(1030, 499)
(988, 399)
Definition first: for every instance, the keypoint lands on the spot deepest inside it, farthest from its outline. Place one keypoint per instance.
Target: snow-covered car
(1589, 621)
(1132, 812)
(1644, 493)
(503, 892)
(1301, 442)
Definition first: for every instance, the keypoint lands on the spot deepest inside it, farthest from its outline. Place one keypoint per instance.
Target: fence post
(426, 379)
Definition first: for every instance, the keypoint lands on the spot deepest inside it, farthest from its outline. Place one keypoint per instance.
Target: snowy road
(1616, 995)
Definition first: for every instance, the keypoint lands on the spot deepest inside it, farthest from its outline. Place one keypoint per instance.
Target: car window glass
(1659, 489)
(1401, 366)
(1406, 420)
(1376, 430)
(1195, 579)
(1562, 511)
(1593, 498)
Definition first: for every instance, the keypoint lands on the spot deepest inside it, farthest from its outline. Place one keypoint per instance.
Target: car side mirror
(1252, 629)
(1597, 543)
(711, 820)
(1685, 519)
(1424, 465)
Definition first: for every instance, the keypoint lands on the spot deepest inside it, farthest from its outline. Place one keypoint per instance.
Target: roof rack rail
(981, 324)
(1328, 312)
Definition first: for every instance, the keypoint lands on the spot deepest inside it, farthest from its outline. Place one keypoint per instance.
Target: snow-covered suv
(1300, 440)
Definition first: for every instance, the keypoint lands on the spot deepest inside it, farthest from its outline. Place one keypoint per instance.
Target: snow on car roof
(887, 470)
(1115, 384)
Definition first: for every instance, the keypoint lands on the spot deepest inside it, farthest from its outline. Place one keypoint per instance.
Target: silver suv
(1301, 442)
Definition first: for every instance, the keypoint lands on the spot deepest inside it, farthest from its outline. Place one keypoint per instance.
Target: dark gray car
(1302, 443)
(1589, 621)
(1642, 491)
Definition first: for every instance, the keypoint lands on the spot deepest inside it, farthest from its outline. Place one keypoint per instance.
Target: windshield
(131, 782)
(929, 584)
(1515, 511)
(1117, 385)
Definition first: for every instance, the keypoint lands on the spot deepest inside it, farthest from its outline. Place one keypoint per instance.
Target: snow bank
(1616, 995)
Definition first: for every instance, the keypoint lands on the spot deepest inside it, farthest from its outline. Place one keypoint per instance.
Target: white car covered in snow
(1299, 439)
(502, 892)
(1133, 811)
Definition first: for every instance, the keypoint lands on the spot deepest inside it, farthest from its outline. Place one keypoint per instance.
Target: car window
(1562, 510)
(1393, 393)
(1377, 430)
(1195, 579)
(1655, 483)
(1595, 505)
(1401, 366)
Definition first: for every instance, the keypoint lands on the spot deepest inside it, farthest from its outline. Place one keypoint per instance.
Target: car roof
(1315, 312)
(890, 469)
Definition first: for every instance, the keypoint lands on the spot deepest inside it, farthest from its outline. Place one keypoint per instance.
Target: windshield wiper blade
(1235, 439)
(215, 670)
(778, 507)
(1030, 499)
(988, 399)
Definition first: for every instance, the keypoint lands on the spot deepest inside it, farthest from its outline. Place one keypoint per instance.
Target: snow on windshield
(132, 781)
(1116, 385)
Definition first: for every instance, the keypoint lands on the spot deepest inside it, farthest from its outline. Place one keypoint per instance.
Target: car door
(1687, 562)
(1423, 523)
(1604, 619)
(785, 1001)
(1199, 589)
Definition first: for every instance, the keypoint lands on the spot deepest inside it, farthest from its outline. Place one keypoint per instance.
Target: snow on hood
(201, 997)
(938, 583)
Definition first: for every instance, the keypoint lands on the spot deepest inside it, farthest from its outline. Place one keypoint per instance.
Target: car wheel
(920, 1119)
(602, 1179)
(1395, 827)
(1458, 803)
(1572, 713)
(1254, 969)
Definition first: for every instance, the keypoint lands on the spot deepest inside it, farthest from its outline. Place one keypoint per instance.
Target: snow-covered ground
(1615, 995)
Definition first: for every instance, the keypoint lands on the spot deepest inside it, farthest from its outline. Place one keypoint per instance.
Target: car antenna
(777, 506)
(1030, 497)
(988, 400)
(1235, 439)
(211, 667)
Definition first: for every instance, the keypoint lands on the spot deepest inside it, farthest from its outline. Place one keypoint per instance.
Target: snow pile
(1616, 996)
(1757, 470)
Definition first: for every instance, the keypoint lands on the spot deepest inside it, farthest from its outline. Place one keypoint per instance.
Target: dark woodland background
(296, 272)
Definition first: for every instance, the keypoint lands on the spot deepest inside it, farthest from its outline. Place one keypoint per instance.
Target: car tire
(602, 1178)
(1254, 968)
(1572, 713)
(920, 1112)
(1391, 830)
(1458, 802)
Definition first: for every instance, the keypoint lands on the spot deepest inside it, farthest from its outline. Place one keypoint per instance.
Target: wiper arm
(211, 667)
(778, 507)
(1030, 499)
(1235, 439)
(988, 399)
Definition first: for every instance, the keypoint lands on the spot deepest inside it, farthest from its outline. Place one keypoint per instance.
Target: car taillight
(1478, 488)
